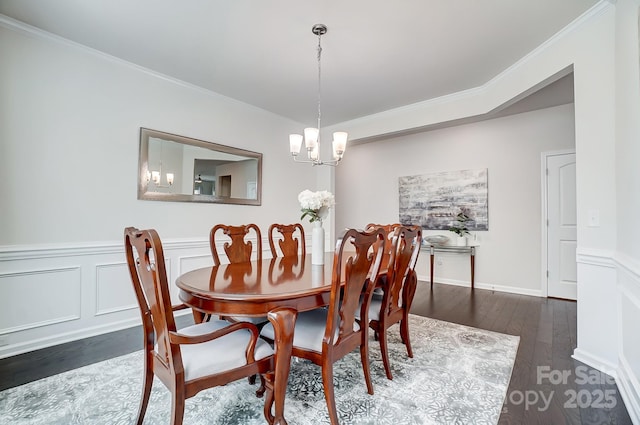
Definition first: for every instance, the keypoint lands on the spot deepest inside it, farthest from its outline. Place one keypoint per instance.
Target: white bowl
(436, 239)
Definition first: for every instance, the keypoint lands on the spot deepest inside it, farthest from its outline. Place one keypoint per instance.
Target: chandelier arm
(331, 163)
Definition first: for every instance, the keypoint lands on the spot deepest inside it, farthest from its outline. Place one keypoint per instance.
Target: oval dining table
(278, 288)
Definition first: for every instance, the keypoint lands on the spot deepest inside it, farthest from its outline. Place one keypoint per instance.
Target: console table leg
(431, 266)
(473, 263)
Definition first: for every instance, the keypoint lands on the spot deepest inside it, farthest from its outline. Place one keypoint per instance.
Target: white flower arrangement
(315, 204)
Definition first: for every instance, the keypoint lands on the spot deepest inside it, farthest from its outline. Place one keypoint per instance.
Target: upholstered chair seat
(309, 330)
(374, 307)
(219, 355)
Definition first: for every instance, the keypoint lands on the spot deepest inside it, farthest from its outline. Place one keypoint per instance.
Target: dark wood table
(279, 288)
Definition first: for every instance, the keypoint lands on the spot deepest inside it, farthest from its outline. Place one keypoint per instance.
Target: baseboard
(596, 362)
(487, 286)
(62, 338)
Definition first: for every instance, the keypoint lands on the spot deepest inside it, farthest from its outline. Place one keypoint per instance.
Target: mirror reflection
(178, 168)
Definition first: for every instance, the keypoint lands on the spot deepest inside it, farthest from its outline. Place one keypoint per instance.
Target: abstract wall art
(433, 200)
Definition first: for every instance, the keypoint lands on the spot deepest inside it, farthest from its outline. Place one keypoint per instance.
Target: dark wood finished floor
(538, 392)
(547, 386)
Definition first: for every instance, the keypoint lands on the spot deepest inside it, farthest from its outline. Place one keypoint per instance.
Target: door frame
(544, 263)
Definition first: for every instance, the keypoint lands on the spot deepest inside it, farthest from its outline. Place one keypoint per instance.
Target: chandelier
(312, 135)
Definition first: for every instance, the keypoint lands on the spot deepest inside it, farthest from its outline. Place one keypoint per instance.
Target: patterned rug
(459, 375)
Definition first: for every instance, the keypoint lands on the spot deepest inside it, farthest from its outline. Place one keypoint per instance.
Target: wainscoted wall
(627, 150)
(629, 344)
(61, 294)
(609, 316)
(596, 293)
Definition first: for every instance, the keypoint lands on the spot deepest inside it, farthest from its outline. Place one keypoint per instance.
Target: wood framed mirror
(182, 169)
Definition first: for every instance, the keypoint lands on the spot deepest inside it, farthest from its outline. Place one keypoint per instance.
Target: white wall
(69, 141)
(510, 148)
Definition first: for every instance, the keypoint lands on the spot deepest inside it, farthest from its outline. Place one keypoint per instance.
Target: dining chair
(389, 228)
(290, 240)
(237, 249)
(398, 289)
(389, 245)
(326, 335)
(196, 357)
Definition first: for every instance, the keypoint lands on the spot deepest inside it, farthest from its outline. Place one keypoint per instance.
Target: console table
(470, 249)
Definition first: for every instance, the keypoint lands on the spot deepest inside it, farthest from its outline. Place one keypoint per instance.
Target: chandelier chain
(319, 80)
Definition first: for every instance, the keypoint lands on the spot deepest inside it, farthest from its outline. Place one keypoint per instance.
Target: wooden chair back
(290, 240)
(389, 244)
(398, 288)
(363, 260)
(237, 249)
(324, 336)
(404, 257)
(145, 258)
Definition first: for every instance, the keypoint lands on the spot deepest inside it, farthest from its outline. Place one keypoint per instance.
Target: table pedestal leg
(283, 321)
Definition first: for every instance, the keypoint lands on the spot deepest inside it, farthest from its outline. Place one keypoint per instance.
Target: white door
(561, 226)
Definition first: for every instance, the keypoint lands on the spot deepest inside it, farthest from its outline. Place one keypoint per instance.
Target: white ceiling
(377, 54)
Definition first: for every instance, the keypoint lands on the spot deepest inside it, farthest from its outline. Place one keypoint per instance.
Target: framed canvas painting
(433, 200)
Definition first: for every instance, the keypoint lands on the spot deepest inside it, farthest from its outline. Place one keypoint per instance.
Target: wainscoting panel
(114, 291)
(51, 295)
(37, 298)
(193, 262)
(597, 311)
(187, 263)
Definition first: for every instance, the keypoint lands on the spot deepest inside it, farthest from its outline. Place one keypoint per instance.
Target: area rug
(459, 375)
